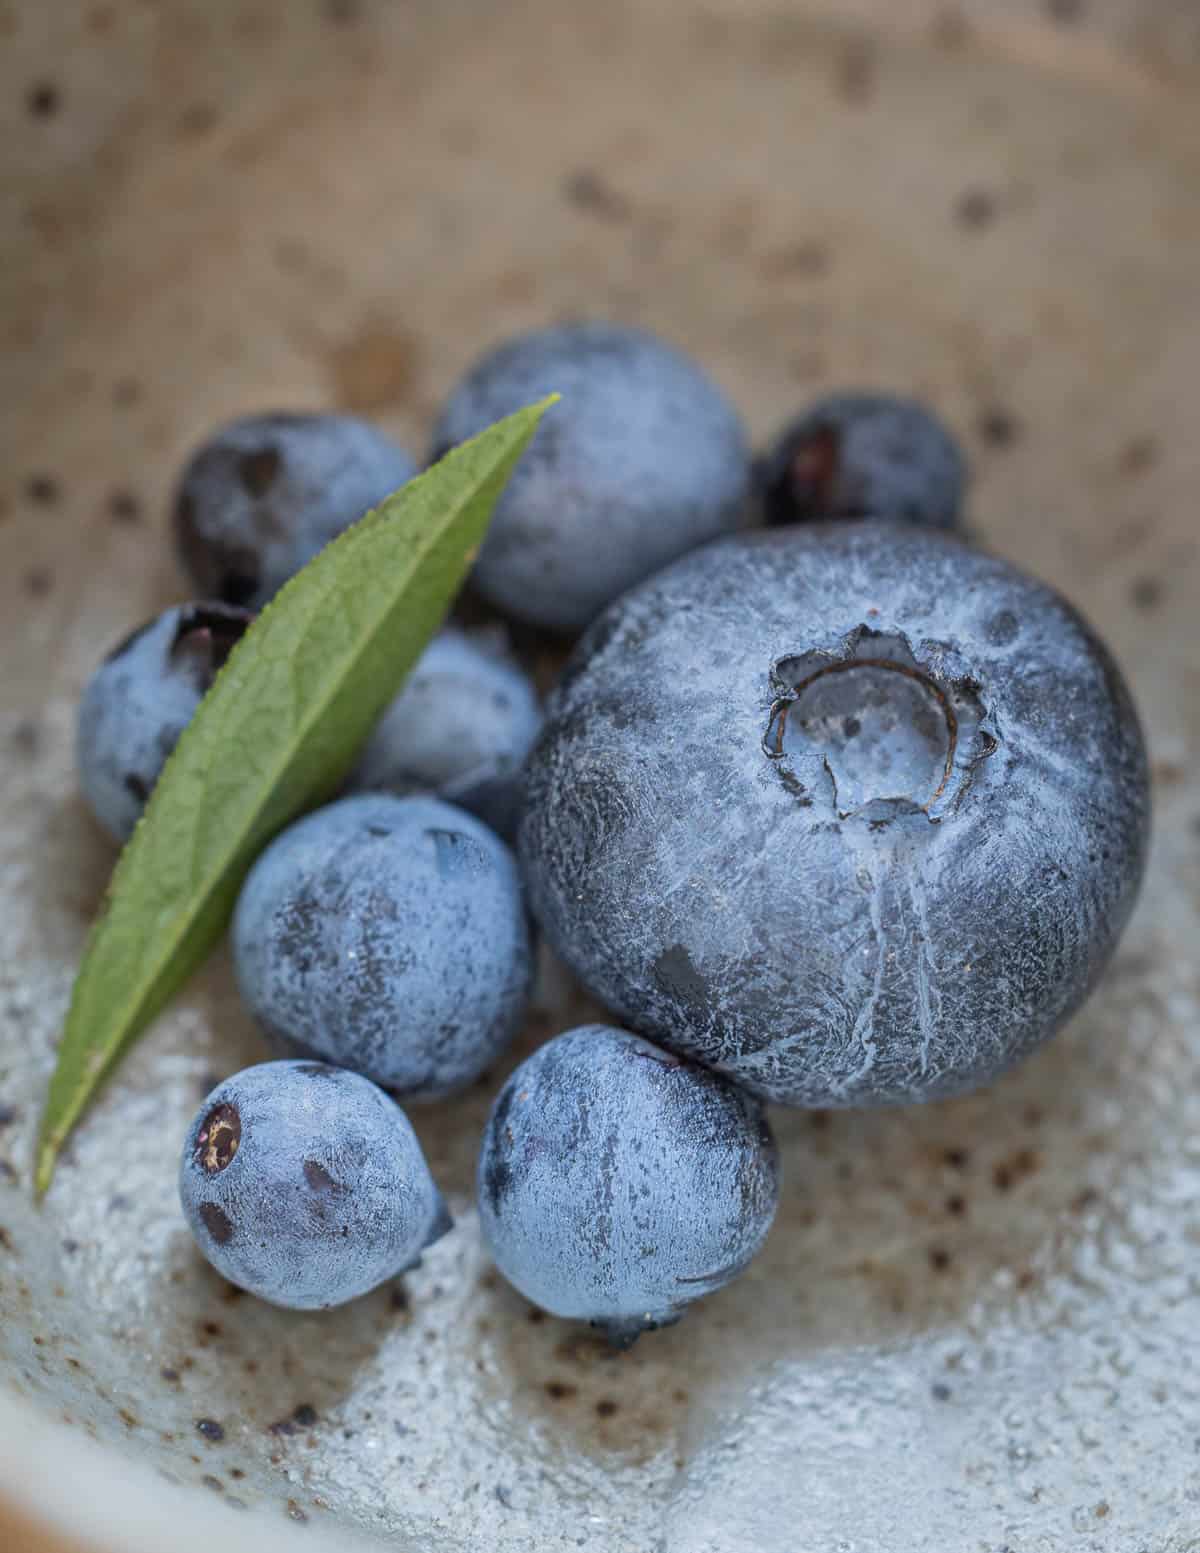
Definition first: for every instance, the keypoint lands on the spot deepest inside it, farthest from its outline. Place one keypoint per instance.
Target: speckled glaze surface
(973, 1325)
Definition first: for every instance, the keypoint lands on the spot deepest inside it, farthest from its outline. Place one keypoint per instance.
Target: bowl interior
(973, 1316)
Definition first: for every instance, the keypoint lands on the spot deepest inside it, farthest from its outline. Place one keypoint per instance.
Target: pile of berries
(828, 806)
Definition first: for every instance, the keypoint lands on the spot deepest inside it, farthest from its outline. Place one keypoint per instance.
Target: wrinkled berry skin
(306, 1185)
(617, 1183)
(643, 459)
(387, 935)
(853, 813)
(264, 494)
(864, 456)
(140, 700)
(461, 728)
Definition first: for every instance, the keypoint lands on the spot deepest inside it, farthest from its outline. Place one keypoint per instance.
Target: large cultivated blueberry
(618, 1183)
(140, 700)
(306, 1185)
(265, 493)
(853, 813)
(643, 460)
(864, 456)
(387, 935)
(461, 727)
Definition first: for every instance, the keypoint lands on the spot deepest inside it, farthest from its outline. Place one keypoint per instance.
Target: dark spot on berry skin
(939, 1259)
(321, 1070)
(939, 1391)
(217, 1222)
(1146, 593)
(124, 507)
(219, 1138)
(677, 975)
(607, 1408)
(319, 1179)
(975, 209)
(259, 470)
(137, 786)
(561, 1391)
(43, 100)
(1002, 628)
(210, 1430)
(42, 490)
(999, 428)
(588, 190)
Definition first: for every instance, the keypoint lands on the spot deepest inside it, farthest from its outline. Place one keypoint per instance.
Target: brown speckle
(956, 1205)
(588, 190)
(1065, 11)
(376, 366)
(214, 1483)
(1101, 1510)
(1010, 1172)
(126, 392)
(1146, 593)
(169, 1375)
(42, 490)
(1087, 1198)
(341, 13)
(975, 209)
(210, 1329)
(196, 120)
(856, 72)
(1138, 455)
(5, 1239)
(607, 1408)
(561, 1390)
(535, 1317)
(1026, 1279)
(38, 581)
(124, 507)
(998, 427)
(210, 1430)
(236, 1474)
(43, 100)
(956, 1158)
(399, 1300)
(939, 1258)
(295, 1513)
(808, 259)
(127, 1418)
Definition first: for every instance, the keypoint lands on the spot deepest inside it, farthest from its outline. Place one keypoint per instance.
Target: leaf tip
(47, 1157)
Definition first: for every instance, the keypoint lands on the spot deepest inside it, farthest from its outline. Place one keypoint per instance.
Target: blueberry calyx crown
(871, 730)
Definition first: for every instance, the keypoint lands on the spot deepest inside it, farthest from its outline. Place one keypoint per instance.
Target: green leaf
(277, 734)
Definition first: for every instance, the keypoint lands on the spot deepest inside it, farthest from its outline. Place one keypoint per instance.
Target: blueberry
(617, 1184)
(306, 1185)
(864, 456)
(140, 700)
(853, 813)
(387, 935)
(265, 493)
(461, 727)
(643, 460)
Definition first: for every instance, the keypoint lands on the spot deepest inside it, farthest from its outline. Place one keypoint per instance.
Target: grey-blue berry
(461, 728)
(265, 493)
(864, 455)
(306, 1185)
(617, 1183)
(387, 935)
(854, 813)
(643, 459)
(140, 700)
